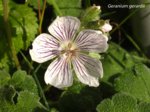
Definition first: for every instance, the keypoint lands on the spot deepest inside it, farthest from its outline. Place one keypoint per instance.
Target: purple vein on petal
(59, 73)
(91, 41)
(84, 71)
(64, 28)
(78, 68)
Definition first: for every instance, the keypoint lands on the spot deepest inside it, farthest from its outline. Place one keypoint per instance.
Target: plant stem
(36, 79)
(27, 61)
(42, 16)
(144, 60)
(40, 88)
(124, 20)
(8, 33)
(56, 8)
(87, 3)
(39, 9)
(132, 41)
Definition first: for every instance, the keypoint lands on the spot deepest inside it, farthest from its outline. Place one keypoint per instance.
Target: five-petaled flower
(69, 49)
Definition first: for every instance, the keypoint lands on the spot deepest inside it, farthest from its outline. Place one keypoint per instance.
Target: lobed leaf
(116, 60)
(24, 25)
(135, 82)
(19, 93)
(21, 81)
(122, 102)
(27, 102)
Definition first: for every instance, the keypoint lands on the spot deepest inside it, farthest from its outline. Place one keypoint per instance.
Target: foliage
(18, 92)
(24, 24)
(122, 103)
(135, 82)
(67, 7)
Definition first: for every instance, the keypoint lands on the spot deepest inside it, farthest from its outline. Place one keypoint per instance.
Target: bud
(105, 26)
(91, 14)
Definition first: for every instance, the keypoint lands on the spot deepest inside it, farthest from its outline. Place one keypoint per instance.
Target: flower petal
(87, 69)
(59, 73)
(45, 47)
(91, 40)
(64, 28)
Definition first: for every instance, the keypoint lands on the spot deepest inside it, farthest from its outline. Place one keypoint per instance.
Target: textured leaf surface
(144, 107)
(121, 102)
(19, 93)
(4, 78)
(136, 82)
(27, 102)
(22, 81)
(24, 25)
(7, 94)
(115, 61)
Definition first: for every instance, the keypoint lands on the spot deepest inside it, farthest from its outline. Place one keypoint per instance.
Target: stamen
(69, 50)
(69, 45)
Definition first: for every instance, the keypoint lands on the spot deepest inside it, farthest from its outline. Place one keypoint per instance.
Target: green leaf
(122, 102)
(34, 3)
(144, 107)
(68, 7)
(115, 61)
(69, 3)
(18, 94)
(4, 77)
(27, 102)
(22, 81)
(1, 7)
(135, 81)
(7, 94)
(5, 60)
(119, 103)
(24, 25)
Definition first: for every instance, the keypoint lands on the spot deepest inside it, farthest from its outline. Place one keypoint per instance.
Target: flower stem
(40, 88)
(8, 33)
(42, 16)
(39, 10)
(124, 20)
(36, 79)
(27, 61)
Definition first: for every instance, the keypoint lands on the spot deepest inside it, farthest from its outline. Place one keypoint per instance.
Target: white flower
(70, 49)
(106, 27)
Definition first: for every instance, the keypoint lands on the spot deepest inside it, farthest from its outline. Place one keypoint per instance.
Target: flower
(69, 49)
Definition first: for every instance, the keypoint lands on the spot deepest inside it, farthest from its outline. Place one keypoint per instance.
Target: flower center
(69, 50)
